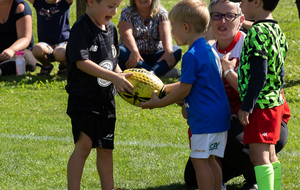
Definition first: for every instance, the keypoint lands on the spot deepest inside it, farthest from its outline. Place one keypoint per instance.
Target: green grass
(151, 147)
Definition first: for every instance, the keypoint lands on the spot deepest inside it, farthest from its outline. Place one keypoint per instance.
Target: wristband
(226, 72)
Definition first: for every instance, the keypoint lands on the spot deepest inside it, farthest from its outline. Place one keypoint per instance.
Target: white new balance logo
(265, 134)
(93, 48)
(109, 135)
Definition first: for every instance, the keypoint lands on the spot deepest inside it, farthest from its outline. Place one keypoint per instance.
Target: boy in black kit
(93, 76)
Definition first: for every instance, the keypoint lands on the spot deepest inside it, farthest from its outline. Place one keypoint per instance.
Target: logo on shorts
(113, 50)
(106, 64)
(109, 137)
(265, 134)
(214, 146)
(199, 150)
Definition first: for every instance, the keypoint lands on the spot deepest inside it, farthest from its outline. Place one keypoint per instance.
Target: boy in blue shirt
(201, 87)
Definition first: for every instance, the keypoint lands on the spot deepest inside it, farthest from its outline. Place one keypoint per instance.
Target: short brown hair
(194, 12)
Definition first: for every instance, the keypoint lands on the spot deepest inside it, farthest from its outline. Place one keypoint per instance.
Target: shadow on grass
(291, 83)
(29, 79)
(180, 186)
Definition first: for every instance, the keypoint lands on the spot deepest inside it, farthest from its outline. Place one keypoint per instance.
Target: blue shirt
(207, 105)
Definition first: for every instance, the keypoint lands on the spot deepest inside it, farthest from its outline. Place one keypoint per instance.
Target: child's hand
(244, 117)
(122, 84)
(152, 103)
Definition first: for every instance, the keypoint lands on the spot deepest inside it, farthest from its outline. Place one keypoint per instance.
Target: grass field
(151, 147)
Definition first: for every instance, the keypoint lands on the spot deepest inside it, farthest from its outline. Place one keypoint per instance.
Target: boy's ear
(257, 3)
(90, 2)
(187, 27)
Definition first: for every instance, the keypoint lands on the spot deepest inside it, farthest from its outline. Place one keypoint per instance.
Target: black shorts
(99, 127)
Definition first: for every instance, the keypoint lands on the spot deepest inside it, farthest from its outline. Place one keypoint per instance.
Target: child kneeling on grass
(202, 89)
(93, 74)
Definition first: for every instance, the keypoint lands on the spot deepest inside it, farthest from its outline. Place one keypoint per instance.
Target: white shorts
(204, 145)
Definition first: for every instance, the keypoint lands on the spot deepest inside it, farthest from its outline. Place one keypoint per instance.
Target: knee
(39, 50)
(177, 52)
(59, 54)
(83, 149)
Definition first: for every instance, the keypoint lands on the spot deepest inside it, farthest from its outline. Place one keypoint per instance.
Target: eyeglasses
(228, 16)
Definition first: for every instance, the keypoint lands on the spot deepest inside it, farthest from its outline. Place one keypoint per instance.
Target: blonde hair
(194, 12)
(155, 6)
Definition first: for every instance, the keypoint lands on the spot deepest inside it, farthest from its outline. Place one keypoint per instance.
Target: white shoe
(173, 73)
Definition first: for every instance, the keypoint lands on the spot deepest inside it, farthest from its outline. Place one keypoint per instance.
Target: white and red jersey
(235, 49)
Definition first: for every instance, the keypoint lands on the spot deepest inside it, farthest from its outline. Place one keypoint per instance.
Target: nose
(223, 19)
(115, 10)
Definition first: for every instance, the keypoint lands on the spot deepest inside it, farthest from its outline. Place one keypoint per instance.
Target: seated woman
(226, 19)
(146, 40)
(16, 34)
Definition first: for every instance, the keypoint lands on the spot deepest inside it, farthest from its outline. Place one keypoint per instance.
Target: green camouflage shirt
(265, 39)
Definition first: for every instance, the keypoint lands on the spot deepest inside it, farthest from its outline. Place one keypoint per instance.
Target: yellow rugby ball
(144, 83)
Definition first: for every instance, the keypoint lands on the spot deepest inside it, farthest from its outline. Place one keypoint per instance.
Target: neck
(145, 13)
(263, 15)
(193, 38)
(224, 43)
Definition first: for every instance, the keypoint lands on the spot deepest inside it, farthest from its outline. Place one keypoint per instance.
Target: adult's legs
(161, 68)
(8, 67)
(150, 61)
(30, 60)
(77, 160)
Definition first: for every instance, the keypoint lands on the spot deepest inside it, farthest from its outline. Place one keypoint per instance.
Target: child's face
(102, 12)
(225, 29)
(178, 32)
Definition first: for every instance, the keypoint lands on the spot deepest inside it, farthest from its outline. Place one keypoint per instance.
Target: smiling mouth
(108, 17)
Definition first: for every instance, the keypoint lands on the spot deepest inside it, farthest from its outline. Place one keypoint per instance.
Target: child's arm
(118, 79)
(178, 94)
(171, 87)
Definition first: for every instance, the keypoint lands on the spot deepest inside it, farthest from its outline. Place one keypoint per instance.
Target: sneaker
(224, 186)
(173, 73)
(248, 186)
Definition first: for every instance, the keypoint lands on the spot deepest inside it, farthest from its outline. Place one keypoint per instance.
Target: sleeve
(188, 69)
(78, 44)
(258, 72)
(126, 15)
(163, 16)
(259, 42)
(27, 11)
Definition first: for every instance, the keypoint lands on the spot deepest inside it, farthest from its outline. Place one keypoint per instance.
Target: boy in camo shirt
(260, 80)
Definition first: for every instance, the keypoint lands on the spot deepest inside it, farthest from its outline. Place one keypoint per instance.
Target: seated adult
(53, 28)
(146, 40)
(16, 34)
(226, 19)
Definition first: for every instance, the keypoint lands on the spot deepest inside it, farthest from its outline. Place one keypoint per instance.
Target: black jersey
(88, 42)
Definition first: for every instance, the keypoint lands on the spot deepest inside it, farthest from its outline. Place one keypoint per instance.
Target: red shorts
(264, 126)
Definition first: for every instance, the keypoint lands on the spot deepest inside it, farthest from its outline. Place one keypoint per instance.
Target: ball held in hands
(144, 83)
